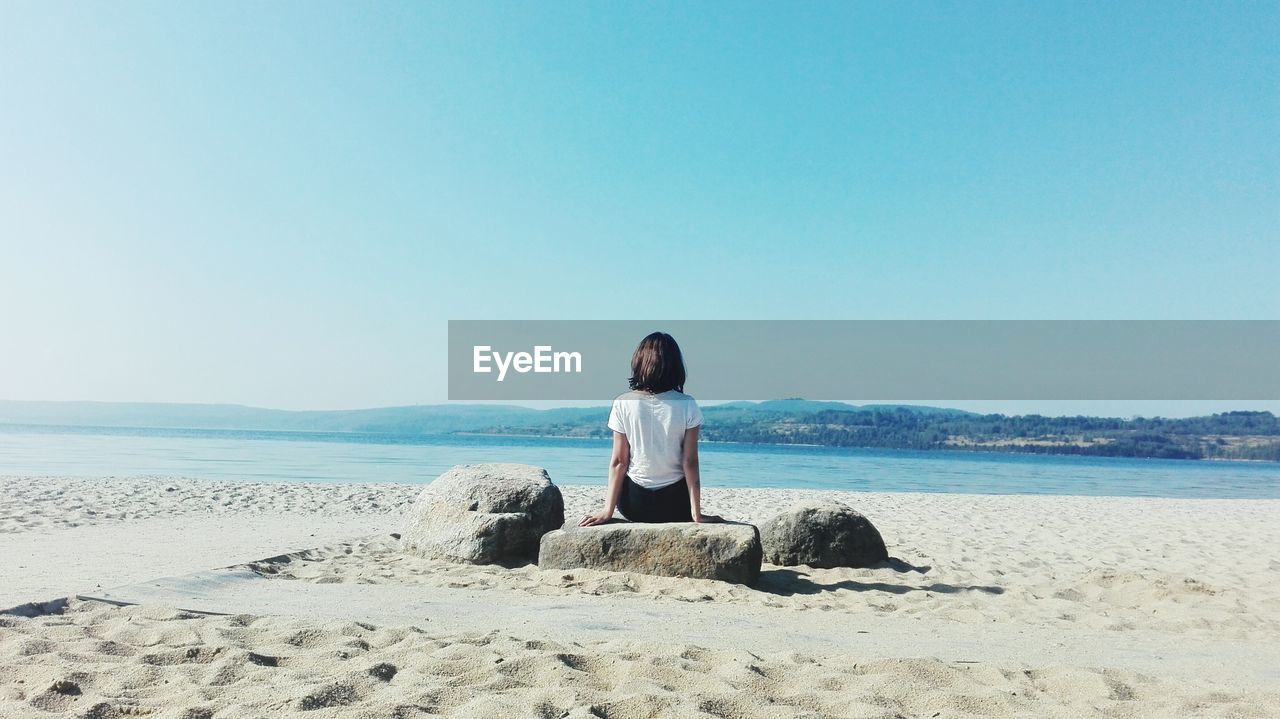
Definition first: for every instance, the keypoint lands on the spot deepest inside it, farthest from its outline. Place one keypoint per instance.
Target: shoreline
(319, 434)
(955, 449)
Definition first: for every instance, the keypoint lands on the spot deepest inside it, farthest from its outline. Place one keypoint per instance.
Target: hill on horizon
(1227, 435)
(409, 419)
(406, 419)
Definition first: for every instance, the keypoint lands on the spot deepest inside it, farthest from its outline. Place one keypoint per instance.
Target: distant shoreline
(319, 435)
(702, 441)
(950, 449)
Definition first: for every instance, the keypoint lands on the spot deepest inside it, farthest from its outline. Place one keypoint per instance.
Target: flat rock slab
(729, 552)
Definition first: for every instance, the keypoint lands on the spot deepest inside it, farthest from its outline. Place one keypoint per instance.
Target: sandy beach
(991, 606)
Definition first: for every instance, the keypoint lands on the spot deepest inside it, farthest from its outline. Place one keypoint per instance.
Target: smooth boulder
(484, 514)
(728, 552)
(823, 535)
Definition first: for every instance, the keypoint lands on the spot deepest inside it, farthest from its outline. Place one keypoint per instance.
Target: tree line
(1227, 435)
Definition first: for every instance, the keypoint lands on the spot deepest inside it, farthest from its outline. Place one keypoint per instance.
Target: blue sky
(282, 204)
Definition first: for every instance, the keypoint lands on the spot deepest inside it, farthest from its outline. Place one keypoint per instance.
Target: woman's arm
(619, 463)
(693, 477)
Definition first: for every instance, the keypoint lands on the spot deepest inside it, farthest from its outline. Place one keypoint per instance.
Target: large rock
(729, 552)
(484, 514)
(822, 534)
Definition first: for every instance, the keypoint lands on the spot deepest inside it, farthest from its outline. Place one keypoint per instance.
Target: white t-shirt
(655, 426)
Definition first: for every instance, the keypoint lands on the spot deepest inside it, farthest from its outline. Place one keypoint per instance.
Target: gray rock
(728, 552)
(484, 514)
(822, 534)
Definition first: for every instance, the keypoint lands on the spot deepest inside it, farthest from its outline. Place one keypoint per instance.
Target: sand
(997, 606)
(64, 535)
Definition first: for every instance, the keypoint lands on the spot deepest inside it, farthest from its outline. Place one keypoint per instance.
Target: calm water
(344, 457)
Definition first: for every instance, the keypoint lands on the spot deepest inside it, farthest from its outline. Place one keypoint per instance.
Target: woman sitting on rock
(653, 473)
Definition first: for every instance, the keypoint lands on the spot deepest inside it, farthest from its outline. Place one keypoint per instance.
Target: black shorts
(667, 504)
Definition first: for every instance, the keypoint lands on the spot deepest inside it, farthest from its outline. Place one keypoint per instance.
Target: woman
(653, 473)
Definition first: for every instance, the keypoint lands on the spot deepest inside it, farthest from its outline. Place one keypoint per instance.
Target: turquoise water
(348, 457)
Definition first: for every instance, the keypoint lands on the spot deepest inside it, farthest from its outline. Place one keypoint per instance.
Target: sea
(271, 456)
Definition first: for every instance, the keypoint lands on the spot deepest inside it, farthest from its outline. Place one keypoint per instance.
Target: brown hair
(657, 365)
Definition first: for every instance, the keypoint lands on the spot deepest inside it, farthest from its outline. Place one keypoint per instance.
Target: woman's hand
(590, 520)
(701, 518)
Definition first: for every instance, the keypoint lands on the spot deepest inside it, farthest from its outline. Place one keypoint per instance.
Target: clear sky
(282, 204)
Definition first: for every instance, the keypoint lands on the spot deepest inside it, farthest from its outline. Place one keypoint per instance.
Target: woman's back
(655, 426)
(654, 475)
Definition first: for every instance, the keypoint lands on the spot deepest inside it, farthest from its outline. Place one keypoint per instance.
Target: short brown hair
(657, 365)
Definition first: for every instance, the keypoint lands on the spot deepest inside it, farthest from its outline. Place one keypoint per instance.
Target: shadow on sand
(789, 582)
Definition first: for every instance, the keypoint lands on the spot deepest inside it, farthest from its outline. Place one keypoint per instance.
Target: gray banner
(876, 360)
